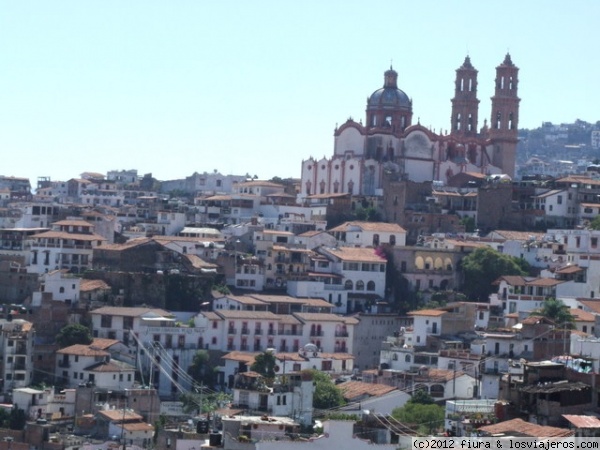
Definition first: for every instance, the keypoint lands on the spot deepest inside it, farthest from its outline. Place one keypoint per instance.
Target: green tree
(485, 265)
(469, 224)
(201, 370)
(326, 395)
(426, 418)
(264, 363)
(557, 312)
(73, 334)
(595, 224)
(422, 397)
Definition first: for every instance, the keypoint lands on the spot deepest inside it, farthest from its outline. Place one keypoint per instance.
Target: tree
(201, 370)
(326, 395)
(427, 418)
(264, 363)
(74, 334)
(485, 265)
(557, 312)
(595, 224)
(469, 223)
(422, 397)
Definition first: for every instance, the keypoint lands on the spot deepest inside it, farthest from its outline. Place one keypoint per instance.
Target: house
(369, 234)
(92, 364)
(60, 286)
(128, 426)
(45, 404)
(289, 396)
(378, 398)
(16, 344)
(68, 245)
(519, 427)
(583, 425)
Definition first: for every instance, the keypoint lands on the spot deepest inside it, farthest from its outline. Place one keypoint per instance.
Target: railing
(231, 331)
(284, 348)
(271, 332)
(289, 333)
(316, 333)
(258, 348)
(258, 331)
(244, 347)
(245, 331)
(341, 334)
(230, 348)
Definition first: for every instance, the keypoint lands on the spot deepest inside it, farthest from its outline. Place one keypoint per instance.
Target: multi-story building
(68, 245)
(16, 342)
(92, 364)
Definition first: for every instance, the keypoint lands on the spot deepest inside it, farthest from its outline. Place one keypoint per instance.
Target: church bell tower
(465, 104)
(504, 121)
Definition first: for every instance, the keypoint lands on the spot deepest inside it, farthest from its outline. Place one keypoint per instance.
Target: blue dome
(389, 96)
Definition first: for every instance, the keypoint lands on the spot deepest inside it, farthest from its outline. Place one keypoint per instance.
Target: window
(360, 285)
(371, 286)
(106, 321)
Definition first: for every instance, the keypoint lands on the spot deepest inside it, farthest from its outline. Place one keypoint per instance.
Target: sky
(175, 87)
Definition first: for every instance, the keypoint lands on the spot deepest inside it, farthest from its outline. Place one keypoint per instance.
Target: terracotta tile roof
(130, 311)
(82, 350)
(427, 312)
(199, 263)
(234, 314)
(290, 356)
(581, 315)
(357, 254)
(569, 269)
(544, 282)
(244, 299)
(245, 357)
(319, 196)
(120, 415)
(381, 227)
(260, 183)
(355, 389)
(111, 366)
(103, 344)
(325, 317)
(434, 374)
(312, 233)
(211, 315)
(73, 222)
(138, 426)
(127, 245)
(64, 235)
(92, 285)
(583, 421)
(519, 426)
(593, 305)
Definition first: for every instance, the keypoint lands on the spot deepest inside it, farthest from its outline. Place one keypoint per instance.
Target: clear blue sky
(175, 86)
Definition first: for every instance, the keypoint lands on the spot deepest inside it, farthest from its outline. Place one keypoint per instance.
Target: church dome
(389, 96)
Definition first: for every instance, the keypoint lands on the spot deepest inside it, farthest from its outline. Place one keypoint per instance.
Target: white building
(45, 404)
(369, 234)
(62, 286)
(68, 245)
(92, 364)
(16, 344)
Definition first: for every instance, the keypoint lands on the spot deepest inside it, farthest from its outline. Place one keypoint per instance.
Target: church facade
(388, 141)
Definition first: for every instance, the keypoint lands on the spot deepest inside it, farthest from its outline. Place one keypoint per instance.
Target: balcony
(341, 334)
(230, 348)
(289, 333)
(258, 331)
(244, 347)
(232, 331)
(271, 332)
(340, 349)
(284, 348)
(245, 331)
(316, 333)
(258, 348)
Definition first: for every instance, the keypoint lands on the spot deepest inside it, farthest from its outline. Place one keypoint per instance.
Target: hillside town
(455, 269)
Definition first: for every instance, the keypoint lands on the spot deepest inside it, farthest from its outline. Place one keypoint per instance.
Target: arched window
(360, 285)
(371, 286)
(61, 290)
(348, 285)
(407, 358)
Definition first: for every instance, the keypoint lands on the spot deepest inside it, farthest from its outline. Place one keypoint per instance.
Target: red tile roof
(519, 426)
(583, 421)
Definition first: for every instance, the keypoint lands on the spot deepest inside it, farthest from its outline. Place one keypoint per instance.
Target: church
(388, 141)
